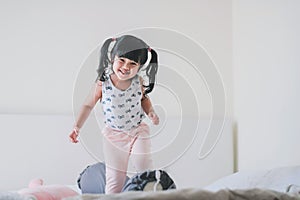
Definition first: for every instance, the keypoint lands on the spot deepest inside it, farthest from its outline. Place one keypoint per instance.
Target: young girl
(125, 101)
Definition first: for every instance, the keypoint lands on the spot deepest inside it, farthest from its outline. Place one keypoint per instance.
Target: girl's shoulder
(105, 82)
(98, 89)
(141, 80)
(99, 83)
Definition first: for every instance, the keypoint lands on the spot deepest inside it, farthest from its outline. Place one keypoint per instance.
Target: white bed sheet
(279, 179)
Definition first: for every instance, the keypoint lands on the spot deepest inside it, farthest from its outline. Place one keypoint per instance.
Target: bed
(278, 183)
(194, 194)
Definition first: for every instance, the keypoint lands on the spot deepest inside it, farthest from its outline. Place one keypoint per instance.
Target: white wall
(46, 50)
(44, 44)
(36, 146)
(266, 82)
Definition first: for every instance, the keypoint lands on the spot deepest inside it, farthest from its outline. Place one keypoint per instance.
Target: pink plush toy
(38, 191)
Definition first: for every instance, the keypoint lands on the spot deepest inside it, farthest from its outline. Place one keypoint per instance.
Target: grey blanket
(197, 194)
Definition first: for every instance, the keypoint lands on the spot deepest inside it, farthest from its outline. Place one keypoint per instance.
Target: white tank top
(122, 108)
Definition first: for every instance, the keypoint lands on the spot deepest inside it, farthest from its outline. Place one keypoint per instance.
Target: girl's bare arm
(94, 96)
(90, 102)
(147, 106)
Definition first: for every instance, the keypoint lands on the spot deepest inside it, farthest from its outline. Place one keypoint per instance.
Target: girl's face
(124, 68)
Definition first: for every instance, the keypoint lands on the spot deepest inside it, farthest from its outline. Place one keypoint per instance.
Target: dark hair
(130, 47)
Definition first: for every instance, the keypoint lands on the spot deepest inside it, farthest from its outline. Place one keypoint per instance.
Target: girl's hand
(74, 135)
(153, 117)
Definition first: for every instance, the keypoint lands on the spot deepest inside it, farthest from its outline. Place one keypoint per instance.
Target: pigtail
(151, 71)
(104, 61)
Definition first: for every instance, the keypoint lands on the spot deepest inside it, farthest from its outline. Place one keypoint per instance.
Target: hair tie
(114, 39)
(149, 49)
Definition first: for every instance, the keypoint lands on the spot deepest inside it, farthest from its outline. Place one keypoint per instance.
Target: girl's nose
(126, 66)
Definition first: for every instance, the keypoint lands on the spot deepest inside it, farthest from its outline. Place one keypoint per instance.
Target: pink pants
(118, 146)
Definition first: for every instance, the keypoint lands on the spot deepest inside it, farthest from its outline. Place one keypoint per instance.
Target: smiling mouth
(124, 72)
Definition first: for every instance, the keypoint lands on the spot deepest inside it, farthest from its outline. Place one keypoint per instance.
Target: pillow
(92, 179)
(279, 179)
(36, 190)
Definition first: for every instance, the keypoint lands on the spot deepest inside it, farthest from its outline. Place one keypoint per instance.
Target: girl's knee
(115, 180)
(142, 162)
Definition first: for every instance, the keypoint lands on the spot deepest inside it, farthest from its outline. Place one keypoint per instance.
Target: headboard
(37, 146)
